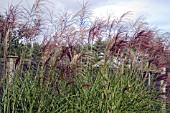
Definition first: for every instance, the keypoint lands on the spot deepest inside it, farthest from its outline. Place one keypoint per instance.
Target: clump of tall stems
(82, 65)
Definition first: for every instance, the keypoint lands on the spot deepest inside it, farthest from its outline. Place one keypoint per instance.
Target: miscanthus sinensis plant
(82, 65)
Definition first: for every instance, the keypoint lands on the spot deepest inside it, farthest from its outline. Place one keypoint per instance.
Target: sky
(156, 12)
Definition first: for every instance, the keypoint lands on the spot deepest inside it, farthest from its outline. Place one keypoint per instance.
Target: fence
(11, 60)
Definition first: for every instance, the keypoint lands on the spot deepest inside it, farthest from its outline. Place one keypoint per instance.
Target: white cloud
(156, 13)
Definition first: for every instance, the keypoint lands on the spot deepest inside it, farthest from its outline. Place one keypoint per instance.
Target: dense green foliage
(99, 90)
(82, 65)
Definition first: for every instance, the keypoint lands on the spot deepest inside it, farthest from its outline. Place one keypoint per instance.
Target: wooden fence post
(10, 68)
(163, 88)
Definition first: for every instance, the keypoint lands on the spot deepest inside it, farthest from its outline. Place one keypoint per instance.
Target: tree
(98, 49)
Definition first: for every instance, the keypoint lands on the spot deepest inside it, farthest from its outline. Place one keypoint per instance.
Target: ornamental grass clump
(105, 91)
(82, 64)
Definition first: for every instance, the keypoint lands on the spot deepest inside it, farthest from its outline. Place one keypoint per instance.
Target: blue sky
(156, 12)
